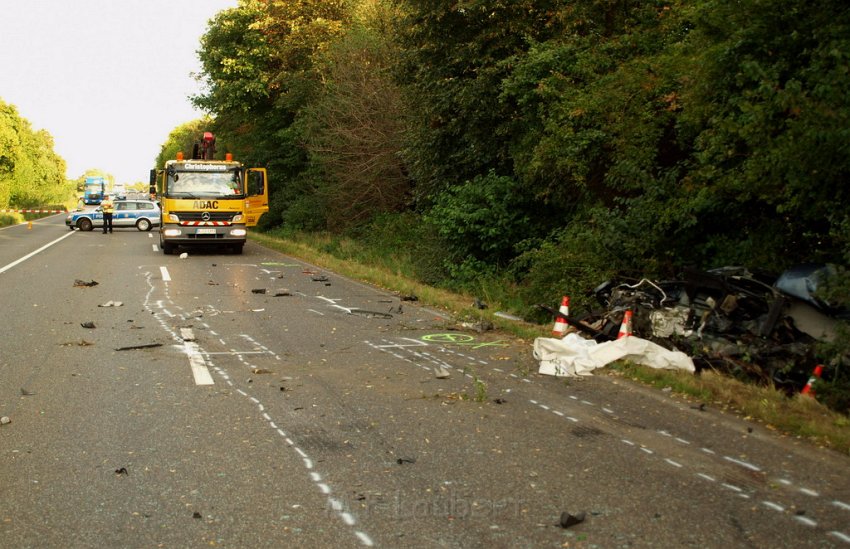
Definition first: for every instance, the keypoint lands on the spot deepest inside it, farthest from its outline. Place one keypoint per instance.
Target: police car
(142, 214)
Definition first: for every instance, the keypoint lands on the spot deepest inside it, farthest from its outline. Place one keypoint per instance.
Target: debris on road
(138, 347)
(88, 324)
(83, 284)
(568, 520)
(111, 304)
(122, 471)
(403, 460)
(81, 343)
(5, 420)
(441, 373)
(258, 291)
(370, 314)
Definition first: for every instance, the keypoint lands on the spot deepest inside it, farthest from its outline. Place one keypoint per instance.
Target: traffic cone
(626, 326)
(560, 327)
(565, 306)
(807, 390)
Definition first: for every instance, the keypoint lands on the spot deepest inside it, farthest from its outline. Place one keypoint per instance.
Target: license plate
(205, 231)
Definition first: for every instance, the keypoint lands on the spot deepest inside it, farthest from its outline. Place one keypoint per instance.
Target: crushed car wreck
(728, 319)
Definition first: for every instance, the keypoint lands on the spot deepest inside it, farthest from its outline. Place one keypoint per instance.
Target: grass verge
(800, 417)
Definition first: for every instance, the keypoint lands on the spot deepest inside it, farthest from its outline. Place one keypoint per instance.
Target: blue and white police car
(142, 214)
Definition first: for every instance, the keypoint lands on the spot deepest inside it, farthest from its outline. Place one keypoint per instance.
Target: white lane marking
(367, 541)
(199, 366)
(673, 463)
(706, 477)
(809, 492)
(155, 248)
(29, 255)
(841, 505)
(805, 520)
(749, 466)
(165, 276)
(843, 537)
(774, 506)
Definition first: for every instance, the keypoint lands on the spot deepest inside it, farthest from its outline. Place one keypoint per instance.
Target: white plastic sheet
(575, 356)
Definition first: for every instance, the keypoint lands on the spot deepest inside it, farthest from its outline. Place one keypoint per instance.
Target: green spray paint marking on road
(461, 339)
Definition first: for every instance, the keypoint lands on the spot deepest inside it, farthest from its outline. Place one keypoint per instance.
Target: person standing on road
(107, 207)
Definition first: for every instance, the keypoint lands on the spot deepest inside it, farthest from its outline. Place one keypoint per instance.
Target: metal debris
(137, 347)
(568, 520)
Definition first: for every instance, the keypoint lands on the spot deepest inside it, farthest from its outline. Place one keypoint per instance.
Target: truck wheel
(143, 225)
(236, 249)
(85, 224)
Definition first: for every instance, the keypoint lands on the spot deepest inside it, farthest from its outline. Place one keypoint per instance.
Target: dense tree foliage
(31, 173)
(551, 142)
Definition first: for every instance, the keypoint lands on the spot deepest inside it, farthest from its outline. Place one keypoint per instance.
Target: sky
(108, 79)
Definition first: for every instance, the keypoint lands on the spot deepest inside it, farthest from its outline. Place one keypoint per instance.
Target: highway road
(257, 401)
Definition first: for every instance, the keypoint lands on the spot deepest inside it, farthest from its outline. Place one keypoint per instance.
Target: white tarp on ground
(576, 356)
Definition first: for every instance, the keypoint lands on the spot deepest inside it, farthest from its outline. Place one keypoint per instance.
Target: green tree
(354, 130)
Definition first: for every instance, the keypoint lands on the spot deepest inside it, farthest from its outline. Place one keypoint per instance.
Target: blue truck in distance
(94, 189)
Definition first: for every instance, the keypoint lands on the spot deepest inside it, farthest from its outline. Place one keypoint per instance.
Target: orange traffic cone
(560, 327)
(807, 390)
(626, 326)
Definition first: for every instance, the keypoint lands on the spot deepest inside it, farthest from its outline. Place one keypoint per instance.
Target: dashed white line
(164, 272)
(364, 539)
(843, 537)
(841, 505)
(774, 506)
(805, 520)
(198, 365)
(809, 492)
(749, 466)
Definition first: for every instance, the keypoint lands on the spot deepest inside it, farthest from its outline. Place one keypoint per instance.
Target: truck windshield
(203, 184)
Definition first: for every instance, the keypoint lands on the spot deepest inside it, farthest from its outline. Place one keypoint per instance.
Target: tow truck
(207, 202)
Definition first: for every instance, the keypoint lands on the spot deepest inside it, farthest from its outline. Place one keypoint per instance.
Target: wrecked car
(751, 326)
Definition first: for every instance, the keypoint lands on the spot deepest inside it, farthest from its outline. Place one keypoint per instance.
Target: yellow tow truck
(208, 202)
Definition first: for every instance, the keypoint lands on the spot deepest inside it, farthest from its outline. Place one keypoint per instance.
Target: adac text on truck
(208, 202)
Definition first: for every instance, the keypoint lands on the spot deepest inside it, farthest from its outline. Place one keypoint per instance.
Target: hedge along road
(257, 401)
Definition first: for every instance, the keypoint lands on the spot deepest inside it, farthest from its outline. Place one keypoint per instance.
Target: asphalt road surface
(257, 401)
